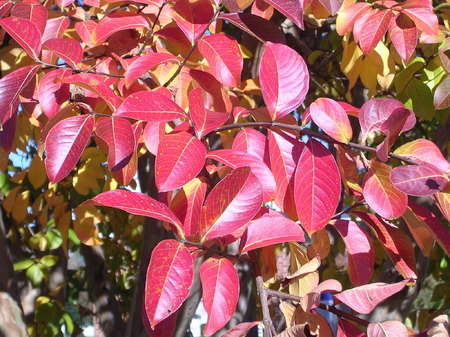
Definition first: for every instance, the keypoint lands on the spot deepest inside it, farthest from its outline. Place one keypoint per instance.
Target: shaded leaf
(441, 95)
(52, 93)
(292, 9)
(67, 49)
(241, 330)
(403, 33)
(192, 17)
(347, 329)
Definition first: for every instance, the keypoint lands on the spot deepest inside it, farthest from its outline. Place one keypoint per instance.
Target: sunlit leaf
(25, 33)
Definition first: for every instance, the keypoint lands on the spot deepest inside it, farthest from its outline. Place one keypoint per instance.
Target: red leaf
(204, 120)
(424, 18)
(317, 187)
(220, 284)
(365, 298)
(403, 33)
(419, 231)
(187, 204)
(25, 33)
(236, 159)
(33, 11)
(95, 84)
(153, 133)
(65, 143)
(180, 158)
(8, 131)
(292, 9)
(371, 27)
(395, 242)
(348, 16)
(284, 153)
(347, 329)
(434, 226)
(55, 28)
(418, 180)
(424, 150)
(138, 204)
(5, 6)
(232, 203)
(67, 49)
(12, 85)
(144, 63)
(253, 142)
(118, 134)
(361, 254)
(165, 328)
(270, 229)
(192, 17)
(380, 194)
(241, 330)
(85, 29)
(332, 119)
(149, 106)
(264, 30)
(284, 79)
(387, 329)
(170, 274)
(110, 25)
(224, 58)
(52, 93)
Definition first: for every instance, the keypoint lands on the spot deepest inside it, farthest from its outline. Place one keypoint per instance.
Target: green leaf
(49, 260)
(404, 76)
(35, 275)
(54, 238)
(420, 99)
(23, 264)
(73, 237)
(432, 74)
(70, 326)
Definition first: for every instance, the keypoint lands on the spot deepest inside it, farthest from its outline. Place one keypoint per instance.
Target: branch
(216, 251)
(310, 133)
(48, 65)
(269, 329)
(214, 18)
(152, 28)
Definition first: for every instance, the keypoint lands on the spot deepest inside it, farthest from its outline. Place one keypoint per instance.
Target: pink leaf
(67, 49)
(403, 33)
(224, 58)
(192, 17)
(110, 25)
(317, 187)
(292, 9)
(144, 63)
(241, 330)
(332, 6)
(361, 254)
(5, 6)
(330, 285)
(348, 16)
(25, 33)
(365, 298)
(270, 229)
(55, 28)
(434, 226)
(52, 93)
(424, 150)
(264, 30)
(12, 85)
(204, 120)
(149, 106)
(220, 283)
(424, 18)
(138, 204)
(387, 329)
(236, 159)
(169, 278)
(65, 143)
(395, 242)
(371, 27)
(284, 79)
(284, 153)
(441, 99)
(33, 11)
(63, 3)
(380, 194)
(332, 119)
(231, 204)
(118, 134)
(418, 180)
(153, 133)
(95, 83)
(252, 142)
(180, 158)
(85, 29)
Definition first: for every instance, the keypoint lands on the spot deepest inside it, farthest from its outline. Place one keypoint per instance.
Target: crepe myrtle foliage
(297, 148)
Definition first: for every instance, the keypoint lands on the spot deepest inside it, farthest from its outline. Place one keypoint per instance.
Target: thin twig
(310, 133)
(74, 70)
(215, 251)
(151, 30)
(347, 209)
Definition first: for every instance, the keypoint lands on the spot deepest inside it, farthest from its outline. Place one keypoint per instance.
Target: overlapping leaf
(380, 194)
(224, 58)
(67, 49)
(220, 284)
(424, 150)
(361, 254)
(138, 204)
(231, 204)
(180, 158)
(347, 17)
(423, 18)
(52, 93)
(253, 142)
(149, 106)
(33, 11)
(192, 17)
(169, 278)
(65, 143)
(270, 229)
(317, 186)
(284, 79)
(292, 9)
(365, 298)
(25, 33)
(144, 63)
(403, 33)
(387, 329)
(347, 329)
(110, 25)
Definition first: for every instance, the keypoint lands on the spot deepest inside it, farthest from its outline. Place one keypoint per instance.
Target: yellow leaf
(20, 207)
(245, 52)
(84, 225)
(12, 57)
(18, 177)
(36, 172)
(369, 76)
(351, 63)
(320, 245)
(43, 216)
(305, 284)
(52, 198)
(8, 203)
(385, 64)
